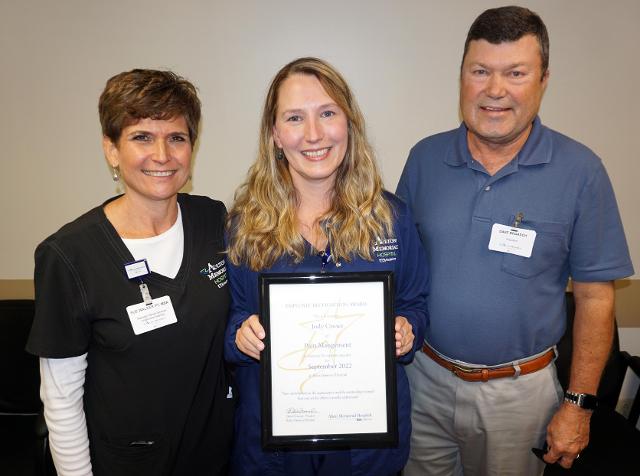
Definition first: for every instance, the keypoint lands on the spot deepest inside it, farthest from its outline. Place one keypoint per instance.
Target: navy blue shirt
(401, 254)
(488, 307)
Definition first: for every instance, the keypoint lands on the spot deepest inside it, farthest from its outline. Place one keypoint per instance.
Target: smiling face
(153, 158)
(501, 88)
(312, 131)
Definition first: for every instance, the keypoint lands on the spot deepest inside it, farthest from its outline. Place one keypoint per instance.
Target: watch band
(583, 400)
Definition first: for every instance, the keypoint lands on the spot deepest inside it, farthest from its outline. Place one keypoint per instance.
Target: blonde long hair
(263, 223)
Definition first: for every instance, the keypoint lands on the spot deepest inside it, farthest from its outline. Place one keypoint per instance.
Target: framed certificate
(328, 367)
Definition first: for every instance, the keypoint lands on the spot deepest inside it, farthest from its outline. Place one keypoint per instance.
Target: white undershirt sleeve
(61, 391)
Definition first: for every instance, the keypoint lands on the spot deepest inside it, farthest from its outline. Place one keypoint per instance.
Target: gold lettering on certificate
(327, 350)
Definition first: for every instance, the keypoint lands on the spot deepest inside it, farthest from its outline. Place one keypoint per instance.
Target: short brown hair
(147, 93)
(506, 24)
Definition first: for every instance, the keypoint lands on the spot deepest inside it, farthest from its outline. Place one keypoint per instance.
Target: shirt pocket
(550, 250)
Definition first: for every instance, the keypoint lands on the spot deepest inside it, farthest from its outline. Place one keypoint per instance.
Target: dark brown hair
(499, 25)
(147, 93)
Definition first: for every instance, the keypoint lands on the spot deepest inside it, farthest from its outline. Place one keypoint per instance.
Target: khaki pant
(478, 428)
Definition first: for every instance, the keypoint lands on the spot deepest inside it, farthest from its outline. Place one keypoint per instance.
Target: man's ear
(545, 79)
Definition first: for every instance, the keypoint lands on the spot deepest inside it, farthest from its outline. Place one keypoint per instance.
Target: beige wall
(401, 57)
(628, 303)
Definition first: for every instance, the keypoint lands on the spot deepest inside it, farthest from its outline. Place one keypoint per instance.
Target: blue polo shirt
(488, 307)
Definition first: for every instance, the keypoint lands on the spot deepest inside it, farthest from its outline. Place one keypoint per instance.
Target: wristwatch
(583, 400)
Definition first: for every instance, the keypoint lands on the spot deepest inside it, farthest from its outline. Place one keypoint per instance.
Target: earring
(115, 175)
(279, 154)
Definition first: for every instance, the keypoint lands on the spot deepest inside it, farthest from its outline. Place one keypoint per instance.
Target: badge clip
(146, 295)
(518, 220)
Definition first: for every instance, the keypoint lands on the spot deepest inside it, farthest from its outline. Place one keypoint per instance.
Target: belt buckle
(465, 373)
(456, 368)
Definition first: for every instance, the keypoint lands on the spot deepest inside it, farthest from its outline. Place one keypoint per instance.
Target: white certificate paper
(328, 358)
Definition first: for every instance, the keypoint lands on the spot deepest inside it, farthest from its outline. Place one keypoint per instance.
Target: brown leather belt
(474, 374)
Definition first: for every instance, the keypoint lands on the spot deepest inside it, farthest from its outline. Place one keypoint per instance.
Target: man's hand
(567, 434)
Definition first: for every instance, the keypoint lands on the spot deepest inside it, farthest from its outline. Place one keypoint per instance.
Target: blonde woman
(314, 200)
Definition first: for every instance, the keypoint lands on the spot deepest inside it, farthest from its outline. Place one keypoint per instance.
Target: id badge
(512, 240)
(147, 317)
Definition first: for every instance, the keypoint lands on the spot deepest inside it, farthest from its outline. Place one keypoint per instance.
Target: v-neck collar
(122, 254)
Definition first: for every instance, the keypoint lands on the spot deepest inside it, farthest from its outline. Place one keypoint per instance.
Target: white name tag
(516, 241)
(136, 269)
(147, 317)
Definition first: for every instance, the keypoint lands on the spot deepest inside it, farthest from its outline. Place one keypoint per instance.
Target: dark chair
(614, 445)
(23, 434)
(633, 363)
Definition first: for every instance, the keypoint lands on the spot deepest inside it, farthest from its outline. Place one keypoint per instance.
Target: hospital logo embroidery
(216, 273)
(386, 250)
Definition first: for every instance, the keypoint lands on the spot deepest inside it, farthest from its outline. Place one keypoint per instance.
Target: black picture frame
(332, 436)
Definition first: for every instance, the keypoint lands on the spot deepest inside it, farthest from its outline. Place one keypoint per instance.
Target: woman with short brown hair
(131, 302)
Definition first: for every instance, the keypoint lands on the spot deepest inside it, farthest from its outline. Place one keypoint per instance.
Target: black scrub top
(158, 403)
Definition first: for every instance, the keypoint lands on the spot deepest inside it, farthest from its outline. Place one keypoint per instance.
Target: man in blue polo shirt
(508, 210)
